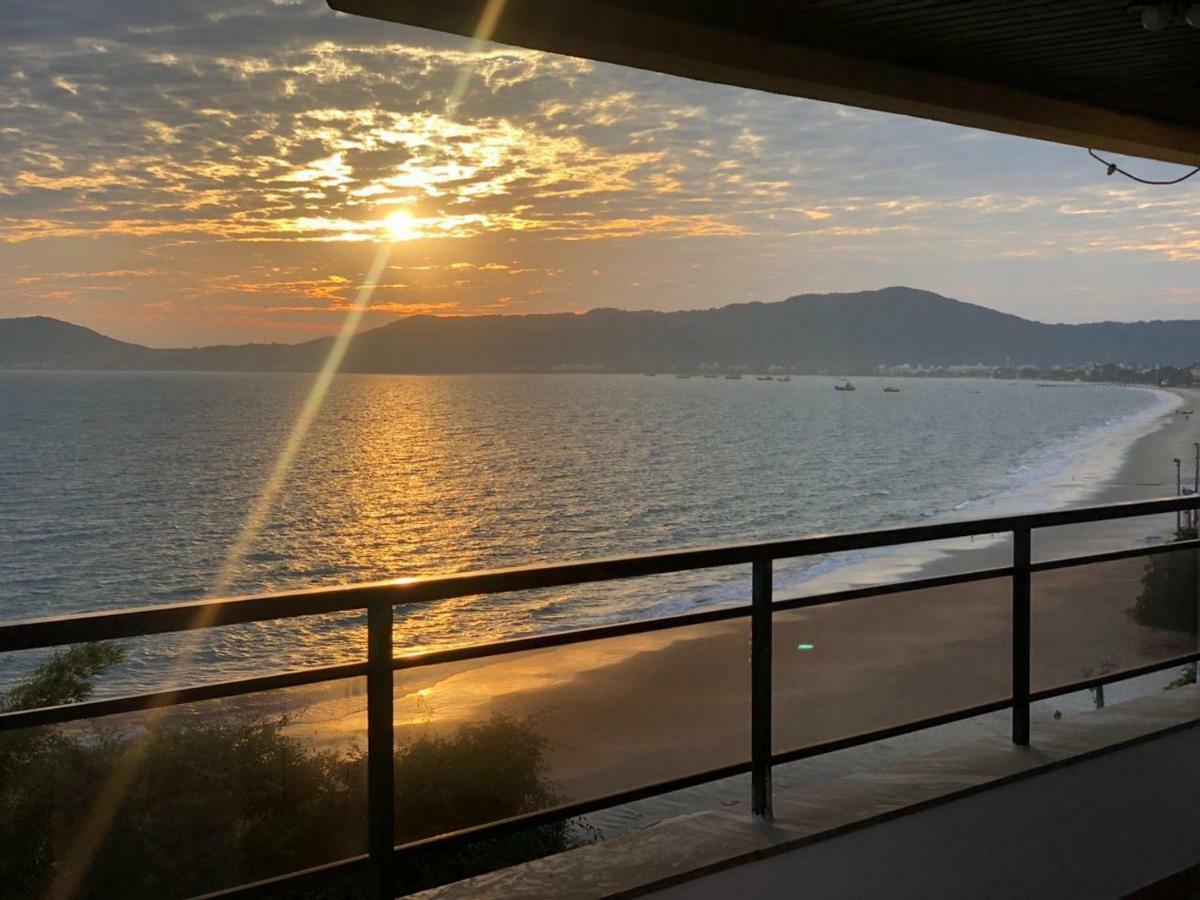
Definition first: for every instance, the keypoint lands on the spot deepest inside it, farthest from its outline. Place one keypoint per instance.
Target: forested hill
(809, 333)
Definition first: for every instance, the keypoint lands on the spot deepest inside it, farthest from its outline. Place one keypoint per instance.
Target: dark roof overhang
(1084, 73)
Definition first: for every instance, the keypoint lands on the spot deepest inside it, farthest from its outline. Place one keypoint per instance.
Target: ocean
(127, 489)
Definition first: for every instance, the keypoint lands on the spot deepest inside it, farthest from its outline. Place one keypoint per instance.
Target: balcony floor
(927, 822)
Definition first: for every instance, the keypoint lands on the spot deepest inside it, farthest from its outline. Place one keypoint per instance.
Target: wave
(1094, 457)
(1040, 483)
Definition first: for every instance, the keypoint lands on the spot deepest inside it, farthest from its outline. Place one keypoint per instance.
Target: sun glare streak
(398, 226)
(265, 501)
(112, 792)
(488, 20)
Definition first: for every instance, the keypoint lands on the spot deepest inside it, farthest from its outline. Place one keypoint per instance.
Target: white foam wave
(1092, 459)
(1068, 472)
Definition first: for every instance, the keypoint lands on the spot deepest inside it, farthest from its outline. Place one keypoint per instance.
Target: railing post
(380, 751)
(1021, 634)
(760, 689)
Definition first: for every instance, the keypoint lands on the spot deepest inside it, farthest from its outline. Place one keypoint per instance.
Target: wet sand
(629, 711)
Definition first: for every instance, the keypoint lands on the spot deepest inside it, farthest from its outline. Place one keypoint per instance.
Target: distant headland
(896, 329)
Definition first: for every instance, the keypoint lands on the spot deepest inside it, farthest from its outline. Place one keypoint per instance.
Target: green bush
(1168, 599)
(225, 801)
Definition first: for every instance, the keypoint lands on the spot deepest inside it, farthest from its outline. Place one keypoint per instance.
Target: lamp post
(1178, 491)
(1196, 488)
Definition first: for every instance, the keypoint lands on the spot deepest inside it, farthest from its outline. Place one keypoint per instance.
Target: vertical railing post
(1021, 634)
(380, 751)
(760, 689)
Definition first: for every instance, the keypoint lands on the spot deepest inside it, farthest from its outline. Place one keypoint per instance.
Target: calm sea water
(129, 489)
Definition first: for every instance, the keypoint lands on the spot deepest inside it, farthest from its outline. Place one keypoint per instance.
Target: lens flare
(398, 226)
(111, 794)
(402, 226)
(488, 20)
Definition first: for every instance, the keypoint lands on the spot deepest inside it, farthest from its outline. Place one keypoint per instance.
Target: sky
(223, 171)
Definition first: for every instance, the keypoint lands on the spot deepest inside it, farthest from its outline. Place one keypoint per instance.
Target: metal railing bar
(271, 887)
(89, 709)
(761, 621)
(572, 810)
(572, 636)
(381, 598)
(566, 811)
(94, 709)
(569, 811)
(1022, 591)
(381, 751)
(879, 734)
(1068, 562)
(139, 702)
(112, 624)
(1110, 677)
(54, 715)
(1129, 509)
(895, 587)
(151, 700)
(116, 624)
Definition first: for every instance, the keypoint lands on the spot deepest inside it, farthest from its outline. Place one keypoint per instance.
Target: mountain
(43, 342)
(813, 332)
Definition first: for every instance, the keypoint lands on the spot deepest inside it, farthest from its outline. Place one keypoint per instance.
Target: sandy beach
(624, 712)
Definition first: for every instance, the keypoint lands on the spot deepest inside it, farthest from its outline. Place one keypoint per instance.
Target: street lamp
(1178, 491)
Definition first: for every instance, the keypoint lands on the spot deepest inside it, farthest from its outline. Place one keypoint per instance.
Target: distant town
(1119, 373)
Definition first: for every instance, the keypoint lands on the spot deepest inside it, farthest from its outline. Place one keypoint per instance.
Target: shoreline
(1102, 465)
(627, 711)
(623, 712)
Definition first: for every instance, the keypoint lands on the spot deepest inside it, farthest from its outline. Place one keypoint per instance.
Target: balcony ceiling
(1083, 73)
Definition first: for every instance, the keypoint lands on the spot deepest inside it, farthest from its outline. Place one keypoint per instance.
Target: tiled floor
(694, 844)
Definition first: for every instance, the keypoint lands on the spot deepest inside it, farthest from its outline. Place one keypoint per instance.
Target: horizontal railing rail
(378, 600)
(160, 619)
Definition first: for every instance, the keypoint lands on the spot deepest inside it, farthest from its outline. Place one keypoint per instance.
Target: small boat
(845, 387)
(733, 377)
(783, 378)
(763, 378)
(649, 374)
(710, 376)
(681, 375)
(891, 390)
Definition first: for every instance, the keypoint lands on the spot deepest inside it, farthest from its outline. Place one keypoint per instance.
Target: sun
(401, 226)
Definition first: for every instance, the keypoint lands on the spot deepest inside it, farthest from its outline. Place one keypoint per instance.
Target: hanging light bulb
(1192, 16)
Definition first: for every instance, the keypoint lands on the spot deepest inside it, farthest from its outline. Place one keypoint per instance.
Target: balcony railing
(380, 598)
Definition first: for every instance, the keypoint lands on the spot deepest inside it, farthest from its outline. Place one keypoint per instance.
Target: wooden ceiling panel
(1083, 72)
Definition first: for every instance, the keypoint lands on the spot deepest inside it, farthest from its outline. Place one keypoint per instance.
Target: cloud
(248, 153)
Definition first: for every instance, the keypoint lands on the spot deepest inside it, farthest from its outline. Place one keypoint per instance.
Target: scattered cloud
(192, 171)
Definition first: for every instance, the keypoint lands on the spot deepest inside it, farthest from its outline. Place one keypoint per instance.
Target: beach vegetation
(222, 799)
(1168, 600)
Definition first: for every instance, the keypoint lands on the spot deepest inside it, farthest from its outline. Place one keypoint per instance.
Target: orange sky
(202, 172)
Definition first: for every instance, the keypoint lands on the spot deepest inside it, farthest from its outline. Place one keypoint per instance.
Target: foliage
(1186, 676)
(1168, 599)
(65, 678)
(227, 800)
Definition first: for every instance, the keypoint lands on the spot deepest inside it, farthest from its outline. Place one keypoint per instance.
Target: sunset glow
(222, 174)
(401, 226)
